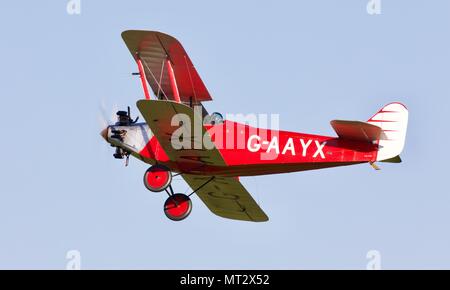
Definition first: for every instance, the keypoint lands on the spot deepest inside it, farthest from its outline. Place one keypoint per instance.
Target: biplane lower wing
(226, 197)
(164, 119)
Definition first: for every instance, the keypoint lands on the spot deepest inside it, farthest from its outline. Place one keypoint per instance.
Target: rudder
(393, 120)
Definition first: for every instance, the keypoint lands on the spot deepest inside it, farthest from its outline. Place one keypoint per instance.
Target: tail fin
(393, 120)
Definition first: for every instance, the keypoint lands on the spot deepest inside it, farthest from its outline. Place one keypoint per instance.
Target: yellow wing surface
(226, 197)
(191, 145)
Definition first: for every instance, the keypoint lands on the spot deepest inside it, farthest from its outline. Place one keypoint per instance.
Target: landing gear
(157, 178)
(178, 207)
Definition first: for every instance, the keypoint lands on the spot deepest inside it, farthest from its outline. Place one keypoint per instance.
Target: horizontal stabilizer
(357, 130)
(395, 159)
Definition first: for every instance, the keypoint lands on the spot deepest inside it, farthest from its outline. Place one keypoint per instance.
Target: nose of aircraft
(104, 134)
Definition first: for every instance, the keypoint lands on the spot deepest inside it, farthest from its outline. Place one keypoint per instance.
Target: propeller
(116, 118)
(106, 118)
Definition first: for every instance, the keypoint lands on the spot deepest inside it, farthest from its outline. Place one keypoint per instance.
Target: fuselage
(249, 151)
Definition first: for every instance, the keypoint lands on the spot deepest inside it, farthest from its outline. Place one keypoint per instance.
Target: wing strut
(143, 78)
(173, 82)
(201, 186)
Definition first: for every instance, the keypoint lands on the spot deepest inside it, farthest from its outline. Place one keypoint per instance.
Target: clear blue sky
(309, 61)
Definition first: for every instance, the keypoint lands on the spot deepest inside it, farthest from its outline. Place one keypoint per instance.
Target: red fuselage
(251, 151)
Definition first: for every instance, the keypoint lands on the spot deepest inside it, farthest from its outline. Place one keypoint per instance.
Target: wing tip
(246, 218)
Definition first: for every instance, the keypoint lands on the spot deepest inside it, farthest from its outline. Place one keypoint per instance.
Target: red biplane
(179, 137)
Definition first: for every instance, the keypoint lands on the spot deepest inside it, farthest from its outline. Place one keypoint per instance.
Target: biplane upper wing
(226, 197)
(155, 49)
(357, 130)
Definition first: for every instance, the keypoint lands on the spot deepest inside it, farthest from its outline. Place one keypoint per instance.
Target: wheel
(178, 207)
(157, 178)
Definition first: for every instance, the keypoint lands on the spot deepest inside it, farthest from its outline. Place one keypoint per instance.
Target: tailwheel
(178, 207)
(157, 178)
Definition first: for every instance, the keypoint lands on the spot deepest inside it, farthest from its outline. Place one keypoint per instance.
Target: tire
(178, 207)
(157, 178)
